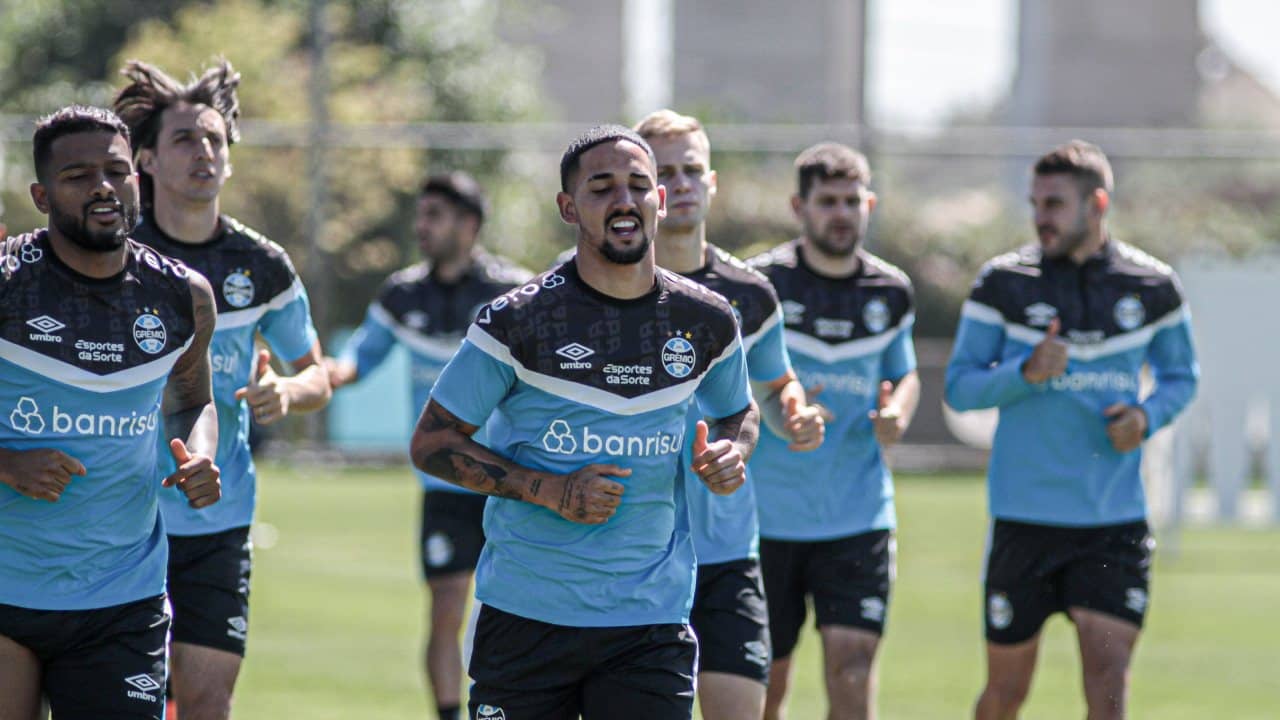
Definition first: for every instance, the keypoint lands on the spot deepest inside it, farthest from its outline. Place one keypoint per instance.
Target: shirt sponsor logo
(237, 288)
(833, 328)
(792, 312)
(875, 315)
(94, 351)
(1040, 314)
(999, 611)
(840, 383)
(628, 374)
(562, 439)
(1096, 382)
(576, 354)
(30, 253)
(27, 418)
(224, 363)
(45, 326)
(1129, 313)
(144, 688)
(418, 319)
(678, 357)
(149, 333)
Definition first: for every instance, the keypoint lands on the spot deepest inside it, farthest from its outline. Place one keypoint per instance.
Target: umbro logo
(144, 688)
(145, 683)
(1040, 314)
(45, 326)
(575, 353)
(238, 627)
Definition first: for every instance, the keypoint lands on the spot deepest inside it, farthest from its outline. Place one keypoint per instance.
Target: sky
(930, 58)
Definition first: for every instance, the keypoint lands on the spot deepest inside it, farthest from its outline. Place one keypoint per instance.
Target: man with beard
(585, 376)
(182, 135)
(729, 612)
(827, 517)
(426, 308)
(103, 348)
(1055, 334)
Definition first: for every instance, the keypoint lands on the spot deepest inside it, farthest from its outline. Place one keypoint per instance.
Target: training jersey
(428, 318)
(83, 365)
(725, 527)
(567, 376)
(1051, 461)
(845, 335)
(257, 291)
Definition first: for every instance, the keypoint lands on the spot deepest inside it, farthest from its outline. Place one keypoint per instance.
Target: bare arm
(786, 411)
(442, 446)
(190, 418)
(273, 397)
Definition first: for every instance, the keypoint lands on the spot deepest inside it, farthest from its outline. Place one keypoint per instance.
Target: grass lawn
(338, 612)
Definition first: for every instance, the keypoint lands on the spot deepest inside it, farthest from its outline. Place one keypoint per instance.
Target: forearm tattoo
(464, 462)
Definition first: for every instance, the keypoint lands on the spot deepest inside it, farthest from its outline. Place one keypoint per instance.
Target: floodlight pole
(319, 275)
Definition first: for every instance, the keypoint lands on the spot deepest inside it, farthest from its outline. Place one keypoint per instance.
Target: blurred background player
(103, 349)
(729, 613)
(427, 307)
(587, 570)
(1055, 335)
(827, 517)
(182, 135)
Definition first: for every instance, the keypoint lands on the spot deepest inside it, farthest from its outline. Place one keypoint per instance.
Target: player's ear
(871, 201)
(713, 182)
(662, 201)
(40, 196)
(146, 161)
(568, 211)
(1101, 200)
(797, 206)
(226, 174)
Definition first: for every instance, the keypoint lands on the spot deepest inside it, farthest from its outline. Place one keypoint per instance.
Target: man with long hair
(183, 133)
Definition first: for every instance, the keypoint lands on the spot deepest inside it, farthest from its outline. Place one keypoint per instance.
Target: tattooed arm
(190, 419)
(442, 446)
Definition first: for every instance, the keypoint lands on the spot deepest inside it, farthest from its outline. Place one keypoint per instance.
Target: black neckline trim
(570, 270)
(42, 238)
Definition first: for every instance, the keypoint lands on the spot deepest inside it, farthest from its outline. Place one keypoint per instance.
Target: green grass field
(338, 612)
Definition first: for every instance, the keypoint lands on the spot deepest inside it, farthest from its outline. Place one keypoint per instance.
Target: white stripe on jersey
(588, 395)
(862, 347)
(1114, 345)
(250, 316)
(749, 341)
(78, 377)
(438, 349)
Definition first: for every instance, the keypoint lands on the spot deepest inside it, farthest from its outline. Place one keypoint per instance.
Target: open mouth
(625, 226)
(105, 213)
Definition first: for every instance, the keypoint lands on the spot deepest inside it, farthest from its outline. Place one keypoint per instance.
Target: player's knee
(852, 667)
(1004, 697)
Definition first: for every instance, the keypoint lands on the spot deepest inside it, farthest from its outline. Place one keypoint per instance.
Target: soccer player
(427, 307)
(1055, 335)
(729, 613)
(103, 348)
(182, 134)
(585, 376)
(827, 517)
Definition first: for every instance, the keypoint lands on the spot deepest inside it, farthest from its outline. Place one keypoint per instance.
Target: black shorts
(209, 589)
(107, 663)
(452, 532)
(731, 620)
(849, 579)
(529, 670)
(1034, 571)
